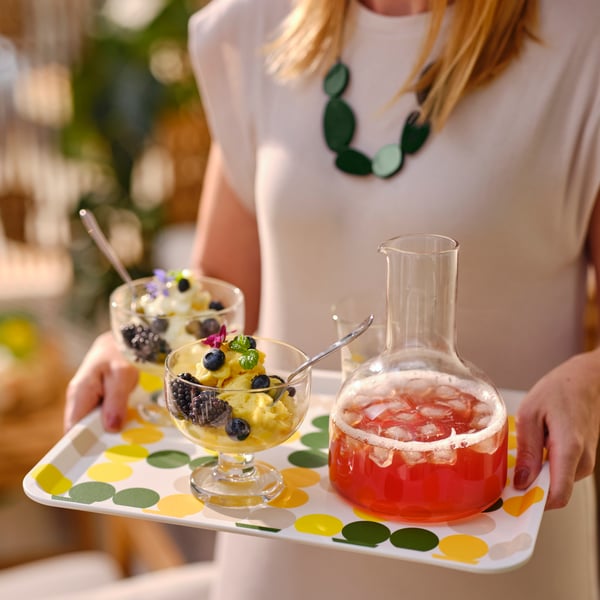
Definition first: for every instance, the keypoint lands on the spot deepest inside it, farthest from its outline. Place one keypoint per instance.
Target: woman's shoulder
(573, 20)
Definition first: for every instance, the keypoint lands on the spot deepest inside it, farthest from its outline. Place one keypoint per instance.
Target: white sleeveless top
(513, 177)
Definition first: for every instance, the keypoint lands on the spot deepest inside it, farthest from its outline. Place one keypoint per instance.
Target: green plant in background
(126, 80)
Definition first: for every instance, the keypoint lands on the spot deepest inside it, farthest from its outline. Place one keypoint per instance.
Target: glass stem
(236, 466)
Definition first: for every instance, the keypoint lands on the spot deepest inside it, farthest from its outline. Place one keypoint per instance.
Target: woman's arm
(562, 413)
(226, 244)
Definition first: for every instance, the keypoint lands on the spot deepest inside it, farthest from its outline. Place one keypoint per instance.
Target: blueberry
(237, 429)
(214, 359)
(183, 285)
(251, 341)
(216, 305)
(210, 326)
(159, 324)
(260, 382)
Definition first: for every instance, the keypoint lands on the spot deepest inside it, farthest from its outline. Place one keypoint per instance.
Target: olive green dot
(168, 459)
(316, 439)
(366, 532)
(91, 491)
(414, 538)
(321, 422)
(311, 459)
(136, 497)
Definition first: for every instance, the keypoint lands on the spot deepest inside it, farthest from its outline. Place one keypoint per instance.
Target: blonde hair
(484, 37)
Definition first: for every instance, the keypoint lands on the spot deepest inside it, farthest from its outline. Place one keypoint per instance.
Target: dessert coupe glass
(242, 407)
(149, 319)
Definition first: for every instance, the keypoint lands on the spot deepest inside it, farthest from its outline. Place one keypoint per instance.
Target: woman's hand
(561, 413)
(104, 377)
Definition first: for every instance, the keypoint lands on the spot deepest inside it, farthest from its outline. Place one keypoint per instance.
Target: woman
(294, 207)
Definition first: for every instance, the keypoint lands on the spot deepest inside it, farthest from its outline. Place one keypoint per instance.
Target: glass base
(236, 482)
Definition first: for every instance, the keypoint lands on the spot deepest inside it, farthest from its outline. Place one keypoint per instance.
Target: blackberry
(216, 305)
(147, 345)
(182, 393)
(260, 382)
(214, 359)
(237, 429)
(207, 409)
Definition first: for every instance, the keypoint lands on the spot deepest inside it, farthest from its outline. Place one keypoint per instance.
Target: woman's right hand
(104, 377)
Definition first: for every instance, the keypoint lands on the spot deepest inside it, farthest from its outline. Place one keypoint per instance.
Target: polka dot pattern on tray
(144, 472)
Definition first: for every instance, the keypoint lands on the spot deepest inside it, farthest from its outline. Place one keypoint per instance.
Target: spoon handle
(96, 234)
(360, 329)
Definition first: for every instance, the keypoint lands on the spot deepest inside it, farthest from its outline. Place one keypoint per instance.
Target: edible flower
(216, 339)
(158, 285)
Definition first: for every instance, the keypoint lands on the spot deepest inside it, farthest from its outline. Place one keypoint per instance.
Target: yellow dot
(512, 442)
(511, 461)
(110, 471)
(300, 477)
(177, 505)
(517, 505)
(318, 524)
(126, 453)
(290, 497)
(143, 435)
(150, 383)
(51, 480)
(293, 438)
(462, 548)
(512, 424)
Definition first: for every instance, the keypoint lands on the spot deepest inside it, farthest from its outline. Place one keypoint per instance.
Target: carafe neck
(422, 275)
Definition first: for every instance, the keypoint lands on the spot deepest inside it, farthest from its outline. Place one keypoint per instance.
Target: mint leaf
(240, 343)
(249, 359)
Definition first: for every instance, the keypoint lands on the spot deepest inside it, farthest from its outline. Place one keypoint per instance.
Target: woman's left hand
(562, 414)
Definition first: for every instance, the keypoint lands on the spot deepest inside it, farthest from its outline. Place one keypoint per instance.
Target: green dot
(414, 538)
(366, 532)
(203, 461)
(91, 491)
(310, 459)
(321, 422)
(316, 439)
(136, 497)
(168, 459)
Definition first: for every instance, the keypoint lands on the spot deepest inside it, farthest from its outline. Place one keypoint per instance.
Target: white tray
(143, 472)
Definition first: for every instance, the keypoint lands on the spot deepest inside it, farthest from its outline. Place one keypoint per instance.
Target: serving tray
(143, 472)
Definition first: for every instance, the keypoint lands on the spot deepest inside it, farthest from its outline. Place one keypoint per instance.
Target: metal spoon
(360, 329)
(92, 227)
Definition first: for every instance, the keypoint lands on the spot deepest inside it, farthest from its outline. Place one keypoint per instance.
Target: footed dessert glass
(417, 433)
(229, 395)
(154, 315)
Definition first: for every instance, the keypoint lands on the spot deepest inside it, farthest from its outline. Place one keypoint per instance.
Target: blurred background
(98, 110)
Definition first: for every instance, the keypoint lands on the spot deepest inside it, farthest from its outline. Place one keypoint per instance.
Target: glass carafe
(417, 433)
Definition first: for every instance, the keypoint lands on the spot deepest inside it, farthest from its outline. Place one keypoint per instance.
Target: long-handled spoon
(92, 227)
(359, 330)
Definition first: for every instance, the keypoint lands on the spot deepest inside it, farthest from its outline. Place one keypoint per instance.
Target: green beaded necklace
(339, 124)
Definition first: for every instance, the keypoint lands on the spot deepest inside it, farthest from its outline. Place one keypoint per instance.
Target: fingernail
(521, 477)
(113, 422)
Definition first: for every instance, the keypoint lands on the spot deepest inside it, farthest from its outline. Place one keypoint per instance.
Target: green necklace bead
(339, 125)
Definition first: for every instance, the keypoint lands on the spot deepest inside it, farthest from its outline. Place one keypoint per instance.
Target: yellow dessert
(243, 408)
